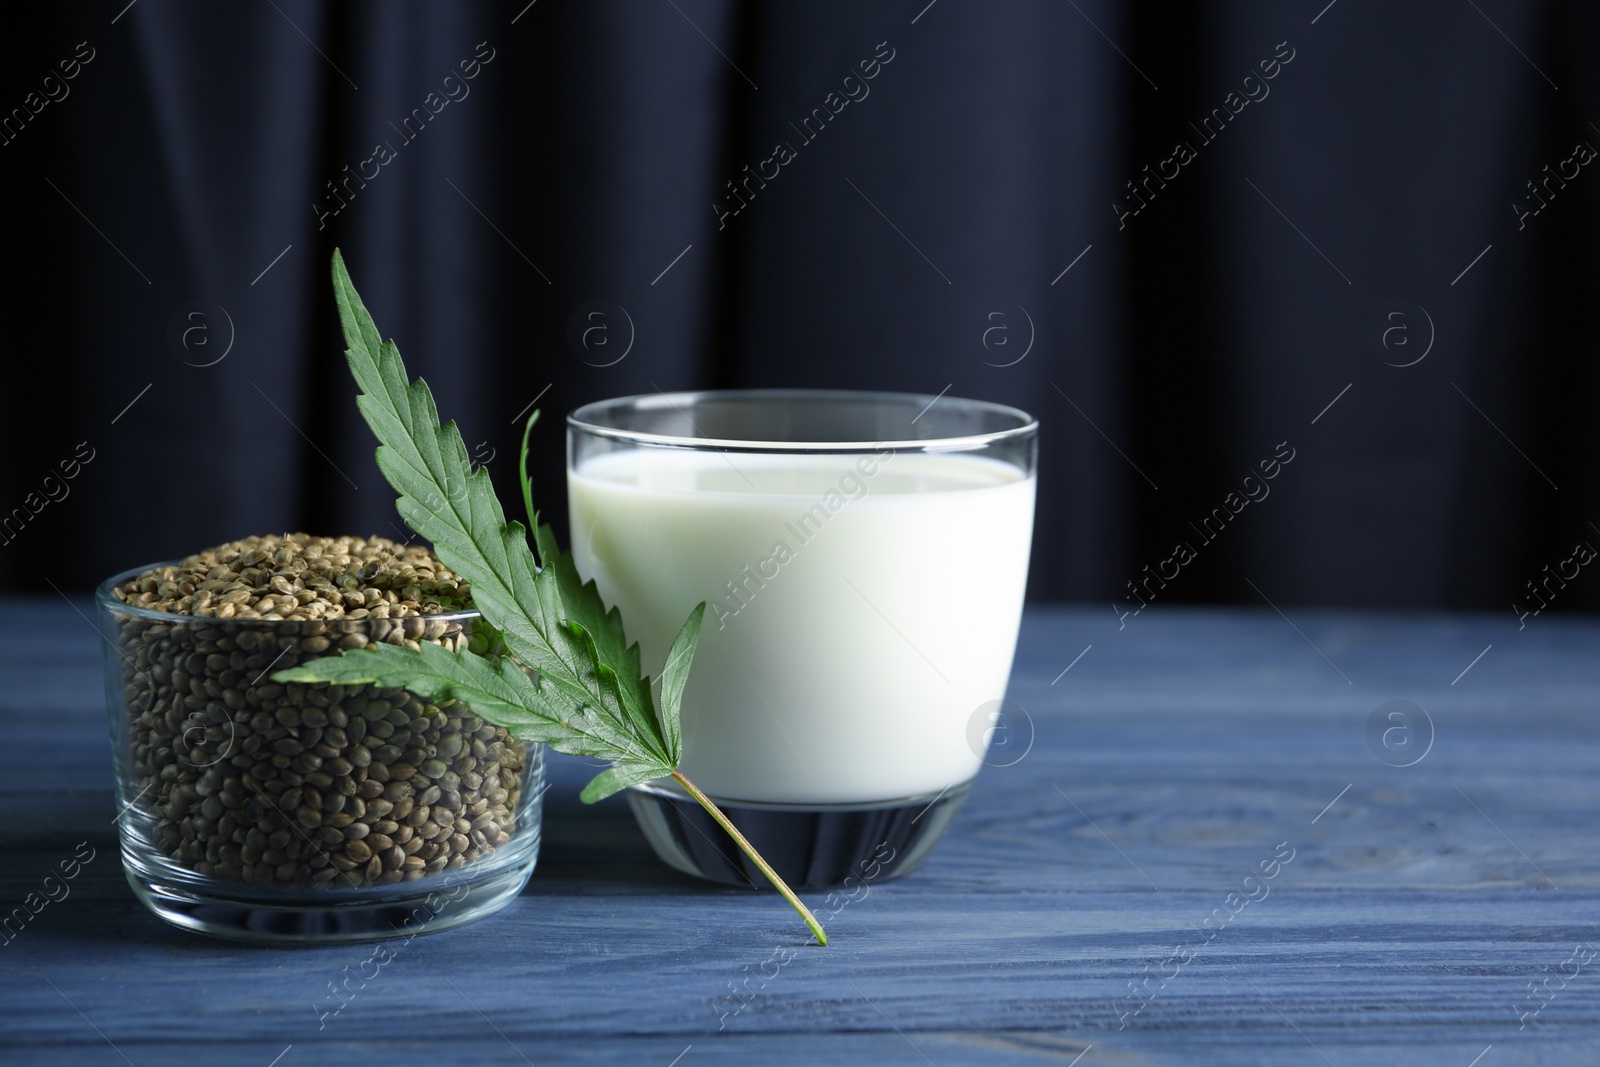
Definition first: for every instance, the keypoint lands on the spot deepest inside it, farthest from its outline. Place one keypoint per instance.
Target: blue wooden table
(1210, 853)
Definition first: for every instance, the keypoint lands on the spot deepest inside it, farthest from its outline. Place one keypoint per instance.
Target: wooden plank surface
(1170, 760)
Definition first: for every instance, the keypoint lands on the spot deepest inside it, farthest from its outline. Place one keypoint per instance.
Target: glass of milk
(862, 557)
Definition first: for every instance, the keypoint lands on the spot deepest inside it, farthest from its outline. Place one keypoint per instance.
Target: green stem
(749, 850)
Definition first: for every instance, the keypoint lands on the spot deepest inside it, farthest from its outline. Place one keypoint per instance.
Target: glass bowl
(259, 811)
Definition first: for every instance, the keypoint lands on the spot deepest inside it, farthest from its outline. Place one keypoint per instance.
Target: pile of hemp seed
(306, 785)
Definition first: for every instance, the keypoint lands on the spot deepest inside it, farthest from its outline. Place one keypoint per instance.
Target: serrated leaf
(620, 777)
(548, 619)
(675, 675)
(498, 691)
(522, 470)
(586, 610)
(591, 698)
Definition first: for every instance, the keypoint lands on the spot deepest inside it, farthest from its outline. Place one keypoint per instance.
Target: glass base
(814, 846)
(239, 912)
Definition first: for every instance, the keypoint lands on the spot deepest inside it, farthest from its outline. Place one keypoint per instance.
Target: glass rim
(581, 420)
(104, 599)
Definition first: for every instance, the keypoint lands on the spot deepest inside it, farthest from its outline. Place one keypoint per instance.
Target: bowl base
(238, 912)
(810, 846)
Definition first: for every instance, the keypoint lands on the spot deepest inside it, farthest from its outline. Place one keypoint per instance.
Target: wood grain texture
(1165, 765)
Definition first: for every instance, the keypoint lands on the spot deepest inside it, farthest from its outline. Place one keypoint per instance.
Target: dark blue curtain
(1352, 245)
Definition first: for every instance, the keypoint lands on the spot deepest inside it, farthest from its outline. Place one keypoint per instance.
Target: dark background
(1179, 350)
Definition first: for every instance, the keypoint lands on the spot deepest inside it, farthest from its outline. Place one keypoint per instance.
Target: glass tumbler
(862, 557)
(255, 810)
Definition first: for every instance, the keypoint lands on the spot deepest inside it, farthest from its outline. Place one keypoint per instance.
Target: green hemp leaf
(568, 676)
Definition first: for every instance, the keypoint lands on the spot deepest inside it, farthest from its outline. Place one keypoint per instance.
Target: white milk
(879, 599)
